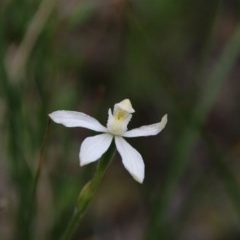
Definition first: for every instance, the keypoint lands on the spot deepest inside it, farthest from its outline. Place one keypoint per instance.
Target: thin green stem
(20, 170)
(220, 161)
(190, 134)
(87, 193)
(19, 61)
(30, 211)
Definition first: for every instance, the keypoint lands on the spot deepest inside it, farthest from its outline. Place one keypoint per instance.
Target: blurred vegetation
(168, 56)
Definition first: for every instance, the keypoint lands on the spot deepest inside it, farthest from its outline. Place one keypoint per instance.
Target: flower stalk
(87, 193)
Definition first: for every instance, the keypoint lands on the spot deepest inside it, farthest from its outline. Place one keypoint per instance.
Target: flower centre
(120, 115)
(118, 121)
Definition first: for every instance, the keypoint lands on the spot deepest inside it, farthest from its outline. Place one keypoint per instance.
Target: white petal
(124, 105)
(93, 148)
(148, 130)
(131, 158)
(76, 119)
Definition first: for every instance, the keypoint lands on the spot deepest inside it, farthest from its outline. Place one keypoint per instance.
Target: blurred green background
(166, 56)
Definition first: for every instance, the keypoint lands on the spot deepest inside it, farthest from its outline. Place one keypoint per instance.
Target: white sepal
(94, 147)
(131, 158)
(76, 119)
(148, 130)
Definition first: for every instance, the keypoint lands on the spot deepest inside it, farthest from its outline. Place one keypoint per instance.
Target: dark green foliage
(175, 57)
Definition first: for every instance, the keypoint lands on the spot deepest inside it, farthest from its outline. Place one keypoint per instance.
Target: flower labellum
(94, 147)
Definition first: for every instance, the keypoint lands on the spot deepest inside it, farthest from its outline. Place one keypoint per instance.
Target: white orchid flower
(94, 147)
